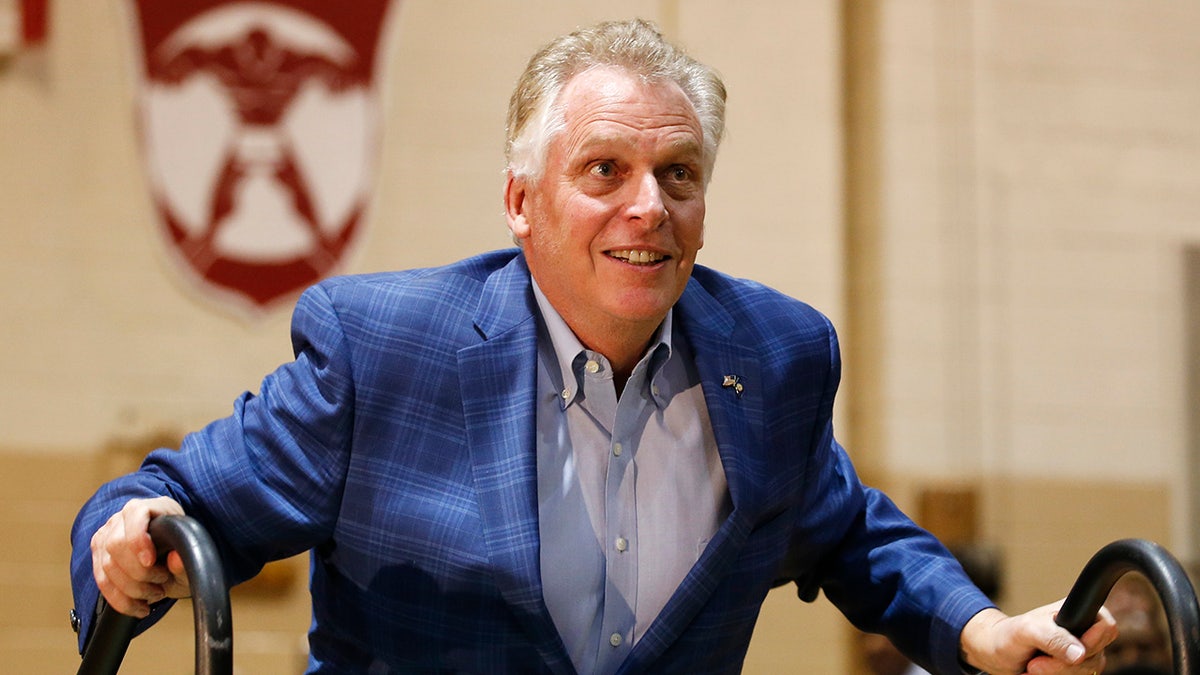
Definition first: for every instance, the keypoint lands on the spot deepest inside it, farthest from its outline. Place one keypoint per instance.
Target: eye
(604, 169)
(681, 181)
(679, 173)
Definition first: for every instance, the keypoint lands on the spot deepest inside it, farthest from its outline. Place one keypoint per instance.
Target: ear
(515, 194)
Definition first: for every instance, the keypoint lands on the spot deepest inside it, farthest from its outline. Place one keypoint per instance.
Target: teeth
(638, 257)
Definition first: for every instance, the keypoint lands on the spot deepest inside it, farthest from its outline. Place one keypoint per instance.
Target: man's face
(612, 226)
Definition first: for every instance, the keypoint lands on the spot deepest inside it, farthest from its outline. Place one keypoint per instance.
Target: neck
(623, 346)
(623, 341)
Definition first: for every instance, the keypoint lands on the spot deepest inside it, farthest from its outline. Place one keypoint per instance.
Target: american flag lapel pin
(733, 382)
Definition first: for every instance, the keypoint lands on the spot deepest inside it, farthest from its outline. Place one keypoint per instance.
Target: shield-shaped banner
(259, 124)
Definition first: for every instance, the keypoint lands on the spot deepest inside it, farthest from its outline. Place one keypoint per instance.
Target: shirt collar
(567, 347)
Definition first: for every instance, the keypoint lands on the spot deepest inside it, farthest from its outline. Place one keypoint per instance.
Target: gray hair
(535, 115)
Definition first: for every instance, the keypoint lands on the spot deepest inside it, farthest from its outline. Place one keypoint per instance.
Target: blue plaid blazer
(399, 447)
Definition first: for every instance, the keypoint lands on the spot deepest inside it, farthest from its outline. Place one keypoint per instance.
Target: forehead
(611, 104)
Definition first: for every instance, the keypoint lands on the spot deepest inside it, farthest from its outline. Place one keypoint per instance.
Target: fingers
(1067, 654)
(1045, 665)
(1102, 633)
(124, 558)
(1033, 643)
(1064, 646)
(1093, 641)
(177, 585)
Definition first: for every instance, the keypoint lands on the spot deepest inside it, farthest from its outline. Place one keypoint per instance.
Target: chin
(643, 311)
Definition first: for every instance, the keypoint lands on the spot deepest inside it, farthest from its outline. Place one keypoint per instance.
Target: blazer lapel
(499, 387)
(723, 362)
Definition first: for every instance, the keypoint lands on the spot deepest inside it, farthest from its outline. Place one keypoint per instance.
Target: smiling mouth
(638, 257)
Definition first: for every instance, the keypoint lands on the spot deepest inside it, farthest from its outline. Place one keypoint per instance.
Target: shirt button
(622, 544)
(615, 639)
(592, 367)
(617, 449)
(654, 390)
(566, 394)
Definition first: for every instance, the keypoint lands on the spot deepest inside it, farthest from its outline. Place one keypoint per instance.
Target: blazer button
(74, 620)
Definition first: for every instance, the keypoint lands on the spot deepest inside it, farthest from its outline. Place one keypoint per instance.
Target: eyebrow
(685, 146)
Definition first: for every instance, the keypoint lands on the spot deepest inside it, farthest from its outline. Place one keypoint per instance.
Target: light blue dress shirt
(630, 489)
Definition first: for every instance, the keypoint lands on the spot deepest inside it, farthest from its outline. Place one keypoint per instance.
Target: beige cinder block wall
(100, 306)
(1014, 286)
(1034, 177)
(104, 342)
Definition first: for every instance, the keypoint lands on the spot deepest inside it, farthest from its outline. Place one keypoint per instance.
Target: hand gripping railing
(113, 631)
(1164, 572)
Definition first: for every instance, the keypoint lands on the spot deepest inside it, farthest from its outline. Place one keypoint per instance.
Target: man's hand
(1032, 643)
(124, 559)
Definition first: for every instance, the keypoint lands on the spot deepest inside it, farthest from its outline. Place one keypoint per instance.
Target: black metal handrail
(1164, 572)
(113, 631)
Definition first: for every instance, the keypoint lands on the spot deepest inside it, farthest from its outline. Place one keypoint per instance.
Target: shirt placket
(620, 519)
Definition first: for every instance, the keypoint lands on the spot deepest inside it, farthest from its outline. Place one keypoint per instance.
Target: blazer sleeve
(885, 573)
(266, 481)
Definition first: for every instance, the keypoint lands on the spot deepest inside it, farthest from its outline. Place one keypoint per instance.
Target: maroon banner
(259, 124)
(33, 21)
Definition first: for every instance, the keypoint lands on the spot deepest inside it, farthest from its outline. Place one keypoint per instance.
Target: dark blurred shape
(982, 565)
(1143, 640)
(1137, 669)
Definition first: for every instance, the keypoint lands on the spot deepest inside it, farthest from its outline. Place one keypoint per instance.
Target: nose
(646, 202)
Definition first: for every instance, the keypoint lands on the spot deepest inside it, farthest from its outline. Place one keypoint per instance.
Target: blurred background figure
(1138, 669)
(1143, 645)
(882, 657)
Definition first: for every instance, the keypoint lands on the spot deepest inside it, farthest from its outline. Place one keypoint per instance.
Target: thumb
(1064, 646)
(177, 586)
(175, 564)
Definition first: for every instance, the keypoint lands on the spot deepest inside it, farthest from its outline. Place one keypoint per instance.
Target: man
(583, 455)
